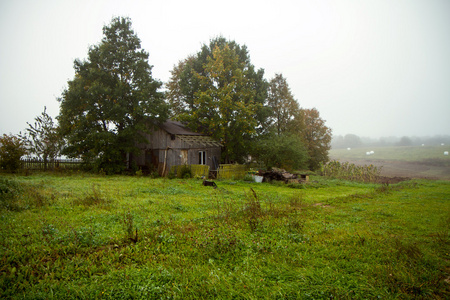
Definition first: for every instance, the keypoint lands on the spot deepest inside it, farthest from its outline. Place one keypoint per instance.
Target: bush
(282, 151)
(12, 148)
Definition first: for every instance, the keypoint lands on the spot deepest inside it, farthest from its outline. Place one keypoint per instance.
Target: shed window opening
(202, 157)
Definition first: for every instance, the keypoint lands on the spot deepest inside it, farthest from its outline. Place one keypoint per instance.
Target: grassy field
(417, 161)
(84, 236)
(412, 153)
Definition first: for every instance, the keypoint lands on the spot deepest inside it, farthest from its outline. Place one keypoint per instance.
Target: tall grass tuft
(94, 197)
(128, 225)
(253, 210)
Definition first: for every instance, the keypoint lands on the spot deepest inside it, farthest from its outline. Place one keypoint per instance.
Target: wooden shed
(173, 144)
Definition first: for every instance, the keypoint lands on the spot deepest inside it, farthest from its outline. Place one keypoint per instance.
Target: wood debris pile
(282, 175)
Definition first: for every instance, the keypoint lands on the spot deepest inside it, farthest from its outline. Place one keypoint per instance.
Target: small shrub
(185, 172)
(248, 177)
(12, 148)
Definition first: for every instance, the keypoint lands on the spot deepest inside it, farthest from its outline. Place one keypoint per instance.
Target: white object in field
(258, 178)
(446, 153)
(349, 149)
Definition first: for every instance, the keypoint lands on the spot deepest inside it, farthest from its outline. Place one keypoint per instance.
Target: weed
(253, 210)
(128, 225)
(139, 173)
(296, 201)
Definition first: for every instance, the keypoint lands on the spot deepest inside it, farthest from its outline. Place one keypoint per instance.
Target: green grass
(412, 153)
(75, 237)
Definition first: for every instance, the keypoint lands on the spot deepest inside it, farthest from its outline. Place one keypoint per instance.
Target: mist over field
(372, 68)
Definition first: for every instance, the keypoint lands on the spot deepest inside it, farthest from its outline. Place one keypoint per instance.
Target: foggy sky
(371, 68)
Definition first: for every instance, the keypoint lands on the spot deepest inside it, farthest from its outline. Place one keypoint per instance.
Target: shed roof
(188, 136)
(175, 127)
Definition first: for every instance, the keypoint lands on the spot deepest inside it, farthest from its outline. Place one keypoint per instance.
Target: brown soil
(396, 171)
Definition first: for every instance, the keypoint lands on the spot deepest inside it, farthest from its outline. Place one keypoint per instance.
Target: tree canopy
(316, 136)
(285, 111)
(111, 99)
(218, 92)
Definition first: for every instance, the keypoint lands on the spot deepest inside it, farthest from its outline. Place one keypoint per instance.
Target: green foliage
(285, 151)
(12, 148)
(218, 92)
(317, 138)
(188, 171)
(185, 172)
(285, 111)
(43, 139)
(287, 118)
(112, 98)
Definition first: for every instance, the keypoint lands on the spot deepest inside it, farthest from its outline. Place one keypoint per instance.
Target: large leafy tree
(218, 92)
(316, 136)
(112, 98)
(285, 112)
(287, 118)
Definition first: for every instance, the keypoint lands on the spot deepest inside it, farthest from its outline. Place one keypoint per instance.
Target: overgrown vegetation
(136, 237)
(350, 171)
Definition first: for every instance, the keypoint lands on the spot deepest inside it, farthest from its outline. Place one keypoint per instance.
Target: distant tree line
(113, 99)
(354, 141)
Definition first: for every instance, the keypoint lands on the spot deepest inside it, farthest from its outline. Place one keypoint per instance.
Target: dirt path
(406, 169)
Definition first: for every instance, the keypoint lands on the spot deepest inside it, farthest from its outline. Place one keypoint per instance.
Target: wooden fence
(39, 164)
(196, 170)
(227, 171)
